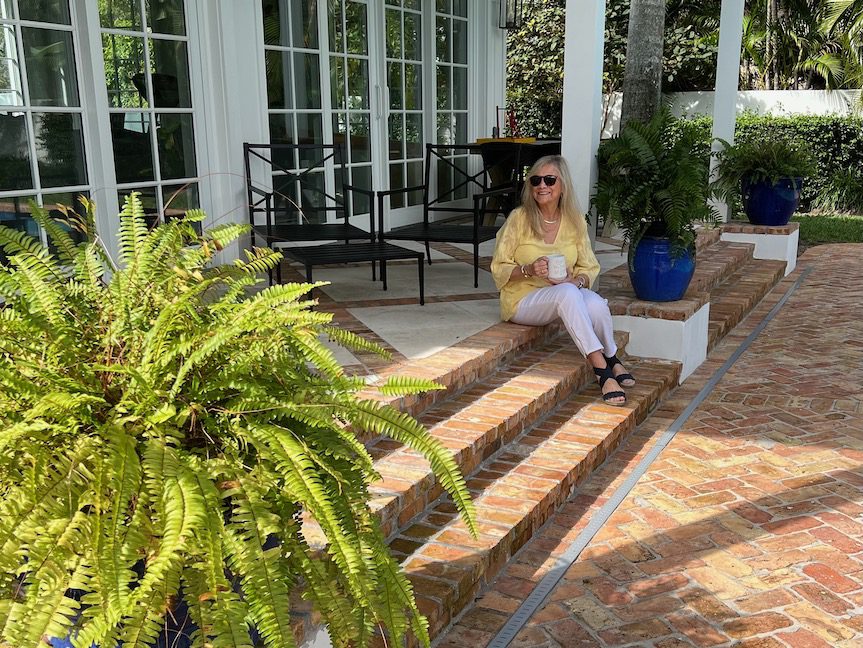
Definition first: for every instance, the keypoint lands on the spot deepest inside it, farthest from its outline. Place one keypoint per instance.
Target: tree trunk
(642, 76)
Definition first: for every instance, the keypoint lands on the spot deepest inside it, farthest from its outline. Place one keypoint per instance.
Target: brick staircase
(523, 417)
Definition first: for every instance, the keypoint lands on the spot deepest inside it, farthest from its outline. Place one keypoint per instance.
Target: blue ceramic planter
(658, 276)
(769, 204)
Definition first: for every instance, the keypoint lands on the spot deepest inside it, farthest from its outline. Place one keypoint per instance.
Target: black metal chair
(298, 209)
(446, 217)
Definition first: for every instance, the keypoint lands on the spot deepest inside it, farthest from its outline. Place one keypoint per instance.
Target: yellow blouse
(517, 245)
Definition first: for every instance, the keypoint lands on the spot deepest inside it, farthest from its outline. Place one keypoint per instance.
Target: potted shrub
(654, 186)
(766, 175)
(169, 435)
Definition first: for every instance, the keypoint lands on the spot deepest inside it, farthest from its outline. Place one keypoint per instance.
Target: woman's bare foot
(620, 370)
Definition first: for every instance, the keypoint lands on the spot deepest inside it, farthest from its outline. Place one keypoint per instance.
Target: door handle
(380, 97)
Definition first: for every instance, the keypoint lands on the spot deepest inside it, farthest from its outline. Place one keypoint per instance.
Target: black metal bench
(298, 208)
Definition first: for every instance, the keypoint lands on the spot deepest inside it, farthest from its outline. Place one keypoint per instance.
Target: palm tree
(642, 76)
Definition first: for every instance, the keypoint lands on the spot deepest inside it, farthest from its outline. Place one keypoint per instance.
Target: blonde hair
(567, 205)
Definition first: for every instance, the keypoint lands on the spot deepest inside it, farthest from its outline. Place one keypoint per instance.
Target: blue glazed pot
(658, 276)
(768, 204)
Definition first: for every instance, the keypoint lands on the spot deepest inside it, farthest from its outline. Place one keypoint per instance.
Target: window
(42, 155)
(145, 48)
(451, 28)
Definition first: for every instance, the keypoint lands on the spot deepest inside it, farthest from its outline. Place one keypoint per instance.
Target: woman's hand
(539, 268)
(568, 277)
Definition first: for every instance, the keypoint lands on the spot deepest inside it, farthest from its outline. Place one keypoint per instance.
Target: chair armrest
(390, 192)
(367, 192)
(499, 190)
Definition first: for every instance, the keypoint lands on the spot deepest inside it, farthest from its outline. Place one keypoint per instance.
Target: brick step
(474, 424)
(715, 263)
(464, 363)
(515, 490)
(732, 300)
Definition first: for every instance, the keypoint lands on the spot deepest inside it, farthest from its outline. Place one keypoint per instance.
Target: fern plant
(651, 178)
(168, 434)
(763, 159)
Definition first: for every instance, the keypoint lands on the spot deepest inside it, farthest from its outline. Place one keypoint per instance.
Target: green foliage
(650, 178)
(836, 142)
(842, 193)
(765, 159)
(829, 228)
(168, 432)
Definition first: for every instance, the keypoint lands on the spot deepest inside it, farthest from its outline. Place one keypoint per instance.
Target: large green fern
(166, 430)
(653, 179)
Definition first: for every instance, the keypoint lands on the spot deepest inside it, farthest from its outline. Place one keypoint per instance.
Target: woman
(548, 222)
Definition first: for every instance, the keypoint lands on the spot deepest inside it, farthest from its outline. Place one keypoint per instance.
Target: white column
(235, 104)
(727, 75)
(582, 93)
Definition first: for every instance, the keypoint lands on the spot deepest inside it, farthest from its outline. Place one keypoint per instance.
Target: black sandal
(624, 379)
(603, 375)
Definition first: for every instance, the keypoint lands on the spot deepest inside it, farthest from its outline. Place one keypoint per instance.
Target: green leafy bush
(168, 432)
(649, 179)
(842, 193)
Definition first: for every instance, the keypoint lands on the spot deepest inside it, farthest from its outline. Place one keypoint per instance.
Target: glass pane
(49, 11)
(278, 66)
(15, 213)
(459, 88)
(394, 85)
(413, 36)
(459, 8)
(275, 23)
(313, 199)
(361, 150)
(120, 14)
(414, 128)
(397, 180)
(15, 172)
(340, 129)
(166, 17)
(355, 25)
(413, 4)
(415, 179)
(281, 129)
(308, 82)
(285, 200)
(337, 83)
(358, 84)
(394, 33)
(50, 64)
(169, 65)
(176, 138)
(6, 9)
(444, 180)
(396, 137)
(11, 93)
(459, 41)
(309, 131)
(304, 14)
(444, 88)
(124, 71)
(443, 6)
(68, 212)
(361, 177)
(178, 199)
(445, 129)
(442, 35)
(460, 128)
(413, 86)
(133, 155)
(461, 177)
(148, 200)
(335, 20)
(60, 149)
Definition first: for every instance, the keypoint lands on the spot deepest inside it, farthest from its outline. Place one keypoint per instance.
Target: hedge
(836, 141)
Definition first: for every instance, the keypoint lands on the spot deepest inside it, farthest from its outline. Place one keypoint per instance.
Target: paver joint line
(535, 599)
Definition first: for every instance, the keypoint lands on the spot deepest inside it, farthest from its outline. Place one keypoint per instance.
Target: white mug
(556, 266)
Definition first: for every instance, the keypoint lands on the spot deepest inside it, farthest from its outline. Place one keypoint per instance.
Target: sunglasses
(549, 180)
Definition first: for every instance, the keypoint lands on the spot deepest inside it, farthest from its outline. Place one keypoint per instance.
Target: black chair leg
(374, 270)
(309, 272)
(476, 265)
(384, 273)
(428, 252)
(421, 269)
(279, 270)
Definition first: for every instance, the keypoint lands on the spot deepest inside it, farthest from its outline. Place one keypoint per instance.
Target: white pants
(584, 313)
